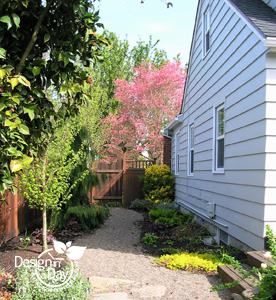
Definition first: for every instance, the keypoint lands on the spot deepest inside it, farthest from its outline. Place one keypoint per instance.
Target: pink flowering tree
(146, 104)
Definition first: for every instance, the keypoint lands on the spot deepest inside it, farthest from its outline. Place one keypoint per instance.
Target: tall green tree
(40, 43)
(118, 62)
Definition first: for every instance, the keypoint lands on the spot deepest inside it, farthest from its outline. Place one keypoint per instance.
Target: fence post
(154, 161)
(124, 175)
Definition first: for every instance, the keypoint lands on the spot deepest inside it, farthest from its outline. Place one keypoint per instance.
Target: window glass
(207, 19)
(191, 149)
(221, 122)
(177, 154)
(219, 136)
(206, 30)
(220, 154)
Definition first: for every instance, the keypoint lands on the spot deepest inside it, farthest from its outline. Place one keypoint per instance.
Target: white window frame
(176, 161)
(190, 149)
(206, 16)
(216, 137)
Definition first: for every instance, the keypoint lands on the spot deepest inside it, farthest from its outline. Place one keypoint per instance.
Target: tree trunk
(44, 212)
(44, 228)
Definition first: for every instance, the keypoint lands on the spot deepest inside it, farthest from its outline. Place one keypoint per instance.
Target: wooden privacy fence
(16, 216)
(119, 181)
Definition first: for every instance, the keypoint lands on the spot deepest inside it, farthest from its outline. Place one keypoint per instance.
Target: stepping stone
(101, 283)
(151, 291)
(110, 296)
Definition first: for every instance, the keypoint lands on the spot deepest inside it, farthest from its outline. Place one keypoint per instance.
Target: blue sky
(173, 26)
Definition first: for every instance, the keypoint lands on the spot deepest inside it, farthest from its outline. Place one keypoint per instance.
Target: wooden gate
(120, 182)
(111, 183)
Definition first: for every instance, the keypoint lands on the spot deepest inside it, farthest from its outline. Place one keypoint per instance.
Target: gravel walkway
(113, 251)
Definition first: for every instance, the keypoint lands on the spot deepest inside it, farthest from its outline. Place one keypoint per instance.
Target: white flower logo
(73, 252)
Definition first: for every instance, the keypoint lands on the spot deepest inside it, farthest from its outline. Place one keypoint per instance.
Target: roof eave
(176, 121)
(270, 42)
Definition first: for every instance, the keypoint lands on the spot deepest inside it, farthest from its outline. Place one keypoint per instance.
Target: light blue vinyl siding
(234, 71)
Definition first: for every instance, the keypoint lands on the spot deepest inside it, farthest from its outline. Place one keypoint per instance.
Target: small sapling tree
(45, 183)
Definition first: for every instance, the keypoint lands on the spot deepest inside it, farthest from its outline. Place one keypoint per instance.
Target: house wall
(234, 72)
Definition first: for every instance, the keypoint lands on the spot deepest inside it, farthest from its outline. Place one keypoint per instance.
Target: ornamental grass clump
(190, 261)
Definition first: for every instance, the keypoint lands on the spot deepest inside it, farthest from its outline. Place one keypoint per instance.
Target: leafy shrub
(88, 216)
(158, 213)
(169, 217)
(26, 288)
(142, 204)
(189, 261)
(165, 206)
(158, 184)
(149, 239)
(170, 250)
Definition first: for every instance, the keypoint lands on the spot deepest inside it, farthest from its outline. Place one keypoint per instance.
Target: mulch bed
(165, 239)
(170, 237)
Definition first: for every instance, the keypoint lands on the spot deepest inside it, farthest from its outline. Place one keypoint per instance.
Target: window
(206, 31)
(177, 154)
(191, 136)
(219, 138)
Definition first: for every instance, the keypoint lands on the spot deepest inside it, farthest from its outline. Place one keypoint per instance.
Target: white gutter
(176, 121)
(270, 42)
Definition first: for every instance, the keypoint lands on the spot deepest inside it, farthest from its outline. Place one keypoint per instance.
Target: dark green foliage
(158, 184)
(79, 193)
(38, 46)
(147, 205)
(80, 190)
(142, 204)
(88, 216)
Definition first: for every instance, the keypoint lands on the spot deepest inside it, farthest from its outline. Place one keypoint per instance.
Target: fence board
(16, 216)
(132, 186)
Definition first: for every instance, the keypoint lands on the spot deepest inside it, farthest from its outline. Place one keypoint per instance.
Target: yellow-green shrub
(158, 184)
(184, 260)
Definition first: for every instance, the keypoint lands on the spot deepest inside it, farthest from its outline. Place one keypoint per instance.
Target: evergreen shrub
(88, 216)
(158, 184)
